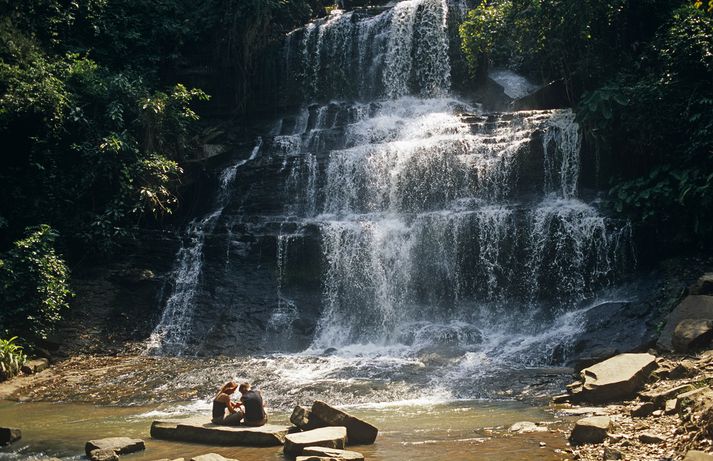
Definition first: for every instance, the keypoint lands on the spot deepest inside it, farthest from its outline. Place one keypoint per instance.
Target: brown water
(470, 430)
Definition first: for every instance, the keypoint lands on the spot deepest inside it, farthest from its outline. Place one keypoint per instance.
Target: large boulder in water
(614, 379)
(303, 418)
(692, 307)
(358, 431)
(120, 445)
(329, 437)
(692, 334)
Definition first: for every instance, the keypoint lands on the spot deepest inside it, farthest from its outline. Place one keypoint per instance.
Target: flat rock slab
(692, 307)
(316, 458)
(358, 431)
(201, 430)
(615, 379)
(328, 437)
(346, 455)
(9, 435)
(211, 457)
(590, 430)
(527, 426)
(120, 445)
(103, 454)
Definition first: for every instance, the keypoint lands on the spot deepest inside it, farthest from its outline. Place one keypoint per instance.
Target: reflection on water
(451, 431)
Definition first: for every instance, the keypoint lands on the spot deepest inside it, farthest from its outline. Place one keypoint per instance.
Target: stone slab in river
(615, 379)
(692, 334)
(692, 307)
(303, 418)
(590, 430)
(358, 431)
(329, 437)
(211, 457)
(9, 435)
(316, 458)
(201, 430)
(333, 453)
(120, 445)
(103, 454)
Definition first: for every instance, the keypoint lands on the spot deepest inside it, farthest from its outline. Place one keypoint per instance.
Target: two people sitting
(250, 410)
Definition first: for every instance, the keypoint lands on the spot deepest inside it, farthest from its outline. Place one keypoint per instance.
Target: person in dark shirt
(254, 406)
(222, 402)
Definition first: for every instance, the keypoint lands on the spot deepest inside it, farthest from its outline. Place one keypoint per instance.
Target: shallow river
(460, 430)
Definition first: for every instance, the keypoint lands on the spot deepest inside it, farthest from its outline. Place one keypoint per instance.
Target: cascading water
(387, 224)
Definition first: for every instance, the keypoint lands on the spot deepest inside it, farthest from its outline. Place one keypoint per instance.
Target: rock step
(328, 437)
(590, 430)
(119, 445)
(346, 455)
(201, 430)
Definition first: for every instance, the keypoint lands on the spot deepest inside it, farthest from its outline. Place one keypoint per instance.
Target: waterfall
(384, 216)
(171, 333)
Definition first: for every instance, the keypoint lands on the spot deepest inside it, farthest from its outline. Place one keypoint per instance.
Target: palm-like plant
(11, 358)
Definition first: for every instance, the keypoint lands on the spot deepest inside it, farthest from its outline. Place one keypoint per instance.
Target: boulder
(103, 454)
(692, 307)
(211, 457)
(695, 455)
(702, 286)
(614, 379)
(303, 418)
(333, 453)
(120, 445)
(201, 430)
(329, 437)
(551, 96)
(692, 334)
(643, 410)
(590, 430)
(358, 431)
(9, 435)
(35, 366)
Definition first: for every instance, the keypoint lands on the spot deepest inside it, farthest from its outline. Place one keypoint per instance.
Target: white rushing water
(451, 241)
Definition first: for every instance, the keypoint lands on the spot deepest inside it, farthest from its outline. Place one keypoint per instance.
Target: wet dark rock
(692, 307)
(691, 334)
(9, 435)
(329, 437)
(303, 418)
(590, 430)
(329, 351)
(201, 430)
(359, 431)
(120, 445)
(551, 96)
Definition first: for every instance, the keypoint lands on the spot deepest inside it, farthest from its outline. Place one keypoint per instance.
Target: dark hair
(244, 387)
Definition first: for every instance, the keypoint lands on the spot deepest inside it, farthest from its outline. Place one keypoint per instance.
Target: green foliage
(11, 358)
(34, 286)
(484, 32)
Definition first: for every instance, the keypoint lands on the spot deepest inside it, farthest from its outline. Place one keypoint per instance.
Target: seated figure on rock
(223, 404)
(254, 406)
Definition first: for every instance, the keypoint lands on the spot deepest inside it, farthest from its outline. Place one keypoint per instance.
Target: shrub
(34, 288)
